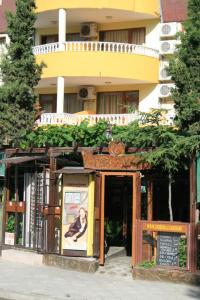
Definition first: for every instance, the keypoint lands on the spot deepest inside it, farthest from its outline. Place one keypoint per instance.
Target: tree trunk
(170, 197)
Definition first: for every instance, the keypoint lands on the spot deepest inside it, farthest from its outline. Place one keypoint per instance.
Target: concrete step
(115, 252)
(22, 256)
(81, 264)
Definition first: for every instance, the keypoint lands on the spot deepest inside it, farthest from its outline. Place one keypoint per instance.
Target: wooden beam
(149, 200)
(134, 219)
(136, 216)
(6, 199)
(52, 203)
(102, 214)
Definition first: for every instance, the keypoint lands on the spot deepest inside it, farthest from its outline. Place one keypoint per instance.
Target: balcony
(113, 119)
(99, 60)
(121, 10)
(71, 119)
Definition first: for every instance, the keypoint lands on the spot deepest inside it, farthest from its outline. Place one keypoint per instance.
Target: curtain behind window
(74, 37)
(72, 104)
(138, 36)
(109, 103)
(132, 36)
(116, 36)
(117, 102)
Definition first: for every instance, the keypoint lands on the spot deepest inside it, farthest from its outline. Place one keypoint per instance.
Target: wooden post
(136, 239)
(16, 201)
(102, 254)
(97, 216)
(193, 238)
(150, 201)
(52, 203)
(5, 200)
(150, 212)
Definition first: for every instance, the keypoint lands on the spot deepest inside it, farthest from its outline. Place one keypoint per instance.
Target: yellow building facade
(101, 59)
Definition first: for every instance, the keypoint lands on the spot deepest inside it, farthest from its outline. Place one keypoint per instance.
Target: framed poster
(74, 220)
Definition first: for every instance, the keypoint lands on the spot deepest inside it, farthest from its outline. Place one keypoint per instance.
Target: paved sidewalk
(22, 282)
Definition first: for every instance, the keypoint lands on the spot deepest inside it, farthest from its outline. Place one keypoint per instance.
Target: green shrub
(182, 253)
(147, 264)
(10, 226)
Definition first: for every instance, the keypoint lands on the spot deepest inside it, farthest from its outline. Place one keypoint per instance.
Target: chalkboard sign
(168, 249)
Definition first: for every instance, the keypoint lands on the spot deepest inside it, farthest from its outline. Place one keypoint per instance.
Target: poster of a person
(75, 220)
(78, 227)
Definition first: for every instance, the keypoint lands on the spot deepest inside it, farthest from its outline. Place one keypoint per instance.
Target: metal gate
(37, 187)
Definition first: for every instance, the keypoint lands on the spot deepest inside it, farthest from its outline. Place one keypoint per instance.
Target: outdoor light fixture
(109, 132)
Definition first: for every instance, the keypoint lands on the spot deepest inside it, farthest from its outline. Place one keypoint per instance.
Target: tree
(20, 75)
(184, 69)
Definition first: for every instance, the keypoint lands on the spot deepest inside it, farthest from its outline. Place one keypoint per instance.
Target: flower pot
(9, 238)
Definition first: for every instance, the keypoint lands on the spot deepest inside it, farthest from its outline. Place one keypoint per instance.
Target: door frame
(136, 213)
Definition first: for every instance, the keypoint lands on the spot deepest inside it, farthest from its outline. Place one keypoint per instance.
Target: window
(47, 39)
(70, 37)
(132, 36)
(117, 102)
(48, 103)
(72, 104)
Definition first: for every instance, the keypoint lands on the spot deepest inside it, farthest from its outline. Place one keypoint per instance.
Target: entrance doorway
(118, 214)
(118, 202)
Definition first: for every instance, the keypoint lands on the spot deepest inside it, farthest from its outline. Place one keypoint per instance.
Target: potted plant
(10, 229)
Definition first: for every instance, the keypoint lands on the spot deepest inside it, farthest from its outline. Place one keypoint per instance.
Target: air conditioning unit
(163, 74)
(89, 30)
(165, 90)
(87, 93)
(170, 29)
(168, 46)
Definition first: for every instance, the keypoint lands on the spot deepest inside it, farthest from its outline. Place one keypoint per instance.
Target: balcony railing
(88, 46)
(114, 119)
(70, 119)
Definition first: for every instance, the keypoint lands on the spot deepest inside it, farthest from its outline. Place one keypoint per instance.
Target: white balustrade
(114, 119)
(70, 119)
(87, 46)
(47, 48)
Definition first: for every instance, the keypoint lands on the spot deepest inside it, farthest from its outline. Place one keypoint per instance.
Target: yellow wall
(144, 91)
(100, 64)
(141, 6)
(148, 24)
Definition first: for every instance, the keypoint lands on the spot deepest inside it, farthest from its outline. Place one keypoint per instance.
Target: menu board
(168, 249)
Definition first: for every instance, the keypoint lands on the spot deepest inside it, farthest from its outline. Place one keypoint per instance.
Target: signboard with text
(168, 244)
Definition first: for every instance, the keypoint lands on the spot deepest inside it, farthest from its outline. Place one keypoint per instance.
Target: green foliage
(63, 136)
(184, 69)
(112, 231)
(168, 148)
(20, 75)
(147, 264)
(10, 226)
(182, 253)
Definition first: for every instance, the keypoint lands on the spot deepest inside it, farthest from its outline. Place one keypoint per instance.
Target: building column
(62, 28)
(60, 94)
